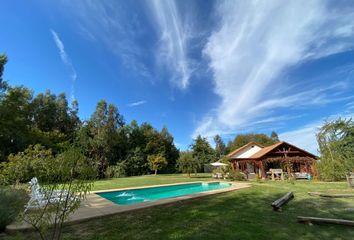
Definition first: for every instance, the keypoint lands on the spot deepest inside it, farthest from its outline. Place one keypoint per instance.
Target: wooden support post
(261, 166)
(271, 172)
(233, 166)
(237, 167)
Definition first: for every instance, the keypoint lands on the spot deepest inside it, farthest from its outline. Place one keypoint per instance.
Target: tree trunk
(156, 172)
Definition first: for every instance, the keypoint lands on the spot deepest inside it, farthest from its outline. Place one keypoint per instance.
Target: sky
(198, 67)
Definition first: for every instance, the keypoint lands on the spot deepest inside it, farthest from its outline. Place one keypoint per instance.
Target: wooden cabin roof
(291, 149)
(243, 147)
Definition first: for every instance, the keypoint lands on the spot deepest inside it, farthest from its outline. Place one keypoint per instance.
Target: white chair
(40, 198)
(54, 193)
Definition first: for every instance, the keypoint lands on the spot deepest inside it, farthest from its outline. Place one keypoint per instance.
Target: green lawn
(149, 180)
(242, 214)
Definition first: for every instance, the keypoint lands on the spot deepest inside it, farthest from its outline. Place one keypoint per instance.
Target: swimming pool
(134, 196)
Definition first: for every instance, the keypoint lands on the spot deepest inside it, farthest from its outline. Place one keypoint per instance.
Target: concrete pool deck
(96, 206)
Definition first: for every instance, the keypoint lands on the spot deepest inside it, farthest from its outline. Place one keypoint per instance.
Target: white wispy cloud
(115, 26)
(138, 103)
(66, 60)
(305, 136)
(173, 36)
(255, 44)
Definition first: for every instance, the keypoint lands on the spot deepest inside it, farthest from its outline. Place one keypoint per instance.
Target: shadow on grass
(242, 214)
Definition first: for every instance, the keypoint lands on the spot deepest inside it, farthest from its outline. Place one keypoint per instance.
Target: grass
(149, 180)
(242, 214)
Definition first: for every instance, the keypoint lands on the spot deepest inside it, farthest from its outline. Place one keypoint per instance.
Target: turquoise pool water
(155, 193)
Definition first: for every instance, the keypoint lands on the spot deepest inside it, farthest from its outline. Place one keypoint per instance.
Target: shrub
(116, 171)
(12, 202)
(69, 177)
(238, 176)
(25, 165)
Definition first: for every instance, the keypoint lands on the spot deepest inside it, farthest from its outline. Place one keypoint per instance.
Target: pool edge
(96, 207)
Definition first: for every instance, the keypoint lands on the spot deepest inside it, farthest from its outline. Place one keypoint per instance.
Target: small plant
(12, 202)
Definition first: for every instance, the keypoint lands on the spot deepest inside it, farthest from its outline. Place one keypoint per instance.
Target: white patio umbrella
(218, 164)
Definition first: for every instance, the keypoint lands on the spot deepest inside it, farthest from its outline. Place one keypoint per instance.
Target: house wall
(247, 152)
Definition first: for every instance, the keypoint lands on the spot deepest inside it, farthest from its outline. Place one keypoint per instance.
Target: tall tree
(15, 121)
(202, 151)
(274, 136)
(187, 163)
(45, 111)
(336, 145)
(99, 135)
(220, 147)
(3, 61)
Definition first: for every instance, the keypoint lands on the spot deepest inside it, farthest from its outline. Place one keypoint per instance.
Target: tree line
(32, 124)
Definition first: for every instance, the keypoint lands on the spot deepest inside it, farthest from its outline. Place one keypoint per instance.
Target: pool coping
(153, 186)
(95, 206)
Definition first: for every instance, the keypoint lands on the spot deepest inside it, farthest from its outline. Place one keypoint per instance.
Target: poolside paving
(96, 206)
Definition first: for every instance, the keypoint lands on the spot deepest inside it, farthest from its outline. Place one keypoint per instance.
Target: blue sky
(197, 67)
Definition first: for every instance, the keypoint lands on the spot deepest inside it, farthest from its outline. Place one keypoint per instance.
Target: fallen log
(277, 204)
(316, 220)
(330, 195)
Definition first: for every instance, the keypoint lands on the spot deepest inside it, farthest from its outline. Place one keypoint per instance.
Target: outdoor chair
(303, 175)
(40, 198)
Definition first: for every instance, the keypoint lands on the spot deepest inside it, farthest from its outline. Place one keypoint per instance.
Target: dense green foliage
(202, 151)
(46, 119)
(22, 166)
(242, 139)
(12, 202)
(187, 163)
(336, 145)
(114, 147)
(3, 61)
(116, 171)
(156, 162)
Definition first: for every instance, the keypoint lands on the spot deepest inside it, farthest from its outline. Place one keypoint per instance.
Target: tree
(274, 136)
(98, 137)
(21, 167)
(187, 163)
(3, 61)
(15, 122)
(242, 139)
(220, 147)
(136, 162)
(336, 144)
(156, 162)
(202, 151)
